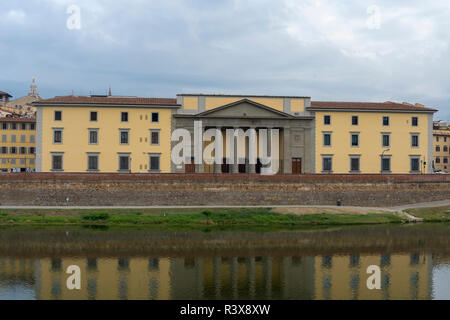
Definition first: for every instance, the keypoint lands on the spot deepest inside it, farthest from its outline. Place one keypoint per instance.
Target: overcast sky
(330, 50)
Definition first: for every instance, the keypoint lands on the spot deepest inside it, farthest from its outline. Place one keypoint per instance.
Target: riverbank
(215, 217)
(283, 217)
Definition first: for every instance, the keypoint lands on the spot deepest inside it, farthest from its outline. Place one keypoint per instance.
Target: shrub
(101, 216)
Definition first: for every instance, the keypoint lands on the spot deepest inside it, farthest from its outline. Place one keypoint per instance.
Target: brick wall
(42, 189)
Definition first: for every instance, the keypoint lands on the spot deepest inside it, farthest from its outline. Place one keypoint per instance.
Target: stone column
(287, 154)
(218, 166)
(252, 167)
(235, 165)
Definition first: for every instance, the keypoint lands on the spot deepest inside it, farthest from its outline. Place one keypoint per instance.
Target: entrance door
(243, 167)
(225, 166)
(296, 166)
(190, 167)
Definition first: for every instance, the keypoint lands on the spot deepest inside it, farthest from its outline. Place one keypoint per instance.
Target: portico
(289, 140)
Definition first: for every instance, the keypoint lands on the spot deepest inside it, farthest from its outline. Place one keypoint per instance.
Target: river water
(292, 264)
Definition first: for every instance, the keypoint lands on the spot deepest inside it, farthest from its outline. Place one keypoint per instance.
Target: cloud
(323, 48)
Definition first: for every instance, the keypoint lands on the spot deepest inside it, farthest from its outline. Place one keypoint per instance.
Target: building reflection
(334, 277)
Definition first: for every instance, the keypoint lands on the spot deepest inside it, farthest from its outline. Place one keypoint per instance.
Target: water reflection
(330, 275)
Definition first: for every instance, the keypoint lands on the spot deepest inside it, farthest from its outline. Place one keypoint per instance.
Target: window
(124, 117)
(445, 139)
(326, 120)
(23, 161)
(438, 149)
(23, 150)
(32, 138)
(327, 164)
(31, 161)
(13, 138)
(445, 159)
(32, 150)
(385, 121)
(124, 162)
(13, 150)
(32, 126)
(57, 162)
(92, 162)
(155, 162)
(386, 140)
(4, 137)
(327, 139)
(154, 137)
(23, 126)
(58, 115)
(4, 150)
(155, 117)
(355, 140)
(354, 164)
(415, 121)
(445, 149)
(13, 161)
(13, 126)
(386, 164)
(415, 165)
(93, 136)
(22, 138)
(414, 140)
(437, 139)
(4, 126)
(57, 136)
(354, 120)
(93, 116)
(124, 137)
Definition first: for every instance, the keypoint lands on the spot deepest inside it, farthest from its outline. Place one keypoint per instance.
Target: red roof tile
(28, 120)
(108, 100)
(372, 106)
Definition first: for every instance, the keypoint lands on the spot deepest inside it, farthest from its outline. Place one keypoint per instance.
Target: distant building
(23, 106)
(17, 144)
(441, 137)
(4, 98)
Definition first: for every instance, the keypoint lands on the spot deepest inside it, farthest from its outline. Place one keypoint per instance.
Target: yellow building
(353, 137)
(441, 138)
(119, 134)
(104, 134)
(17, 144)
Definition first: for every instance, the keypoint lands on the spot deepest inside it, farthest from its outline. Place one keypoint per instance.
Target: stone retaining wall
(208, 189)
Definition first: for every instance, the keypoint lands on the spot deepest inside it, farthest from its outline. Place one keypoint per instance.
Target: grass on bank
(189, 217)
(438, 214)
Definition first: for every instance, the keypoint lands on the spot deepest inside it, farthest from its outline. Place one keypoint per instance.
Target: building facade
(373, 138)
(286, 115)
(17, 144)
(441, 138)
(136, 135)
(104, 134)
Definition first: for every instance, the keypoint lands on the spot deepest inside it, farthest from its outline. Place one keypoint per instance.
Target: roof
(108, 100)
(32, 120)
(367, 106)
(239, 96)
(3, 93)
